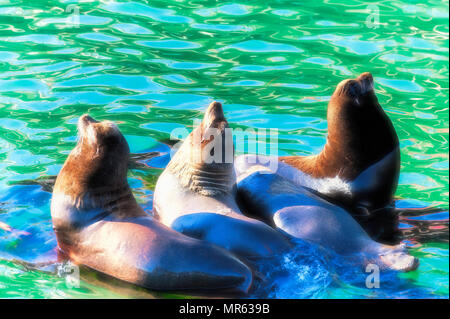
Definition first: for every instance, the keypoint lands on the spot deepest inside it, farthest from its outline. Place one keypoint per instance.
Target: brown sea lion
(196, 193)
(362, 150)
(99, 224)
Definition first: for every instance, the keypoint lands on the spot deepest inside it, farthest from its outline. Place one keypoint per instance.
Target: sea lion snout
(213, 139)
(214, 117)
(350, 88)
(86, 118)
(83, 122)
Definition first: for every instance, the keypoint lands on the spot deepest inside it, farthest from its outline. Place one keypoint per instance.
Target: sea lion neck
(204, 178)
(86, 172)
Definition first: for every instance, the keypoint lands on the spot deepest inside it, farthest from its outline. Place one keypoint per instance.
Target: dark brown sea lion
(362, 149)
(99, 224)
(196, 193)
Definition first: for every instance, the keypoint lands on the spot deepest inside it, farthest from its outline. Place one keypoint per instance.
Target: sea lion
(99, 224)
(304, 215)
(195, 194)
(362, 150)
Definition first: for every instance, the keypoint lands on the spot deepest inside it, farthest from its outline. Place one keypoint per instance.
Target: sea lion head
(358, 127)
(204, 163)
(98, 165)
(213, 140)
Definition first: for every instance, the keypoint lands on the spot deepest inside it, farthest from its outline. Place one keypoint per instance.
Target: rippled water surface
(154, 66)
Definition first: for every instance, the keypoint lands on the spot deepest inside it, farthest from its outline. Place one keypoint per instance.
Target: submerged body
(99, 224)
(197, 198)
(304, 215)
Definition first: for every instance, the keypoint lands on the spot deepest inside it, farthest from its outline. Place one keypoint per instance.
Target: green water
(154, 66)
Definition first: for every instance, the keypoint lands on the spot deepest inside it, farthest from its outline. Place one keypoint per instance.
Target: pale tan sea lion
(99, 224)
(195, 194)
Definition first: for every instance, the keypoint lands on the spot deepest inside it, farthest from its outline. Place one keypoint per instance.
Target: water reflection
(154, 67)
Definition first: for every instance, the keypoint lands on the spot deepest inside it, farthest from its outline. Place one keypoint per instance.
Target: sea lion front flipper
(218, 229)
(397, 258)
(332, 228)
(192, 225)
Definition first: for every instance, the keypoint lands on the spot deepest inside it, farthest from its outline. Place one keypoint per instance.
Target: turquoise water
(154, 66)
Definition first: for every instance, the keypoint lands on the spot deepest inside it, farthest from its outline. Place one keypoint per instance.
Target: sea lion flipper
(158, 258)
(192, 225)
(223, 230)
(398, 259)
